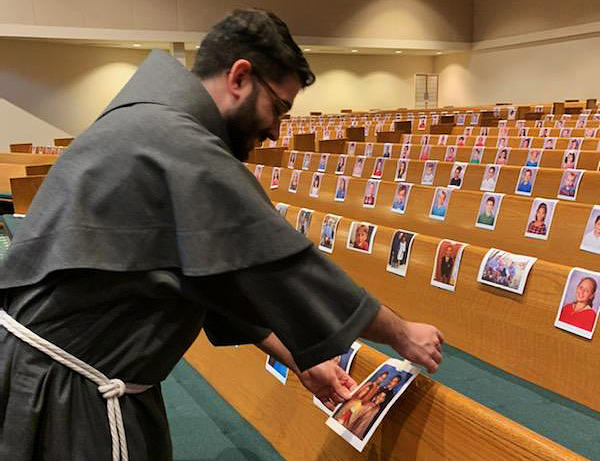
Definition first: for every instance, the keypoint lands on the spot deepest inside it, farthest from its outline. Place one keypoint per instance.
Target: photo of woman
(360, 237)
(315, 184)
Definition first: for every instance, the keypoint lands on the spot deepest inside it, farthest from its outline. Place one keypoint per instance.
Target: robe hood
(151, 184)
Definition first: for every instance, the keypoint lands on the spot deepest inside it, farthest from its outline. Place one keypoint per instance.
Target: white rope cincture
(111, 389)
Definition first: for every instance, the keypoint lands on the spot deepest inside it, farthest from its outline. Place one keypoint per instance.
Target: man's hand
(420, 343)
(328, 382)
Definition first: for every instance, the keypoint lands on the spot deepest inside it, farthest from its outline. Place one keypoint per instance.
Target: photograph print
(578, 309)
(505, 270)
(399, 255)
(357, 418)
(447, 264)
(361, 236)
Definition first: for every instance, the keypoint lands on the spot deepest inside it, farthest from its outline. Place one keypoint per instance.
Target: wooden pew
(429, 422)
(24, 190)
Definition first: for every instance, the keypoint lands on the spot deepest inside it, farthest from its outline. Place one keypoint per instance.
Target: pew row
(429, 422)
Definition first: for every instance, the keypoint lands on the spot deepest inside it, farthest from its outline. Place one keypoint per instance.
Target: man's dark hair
(261, 38)
(491, 199)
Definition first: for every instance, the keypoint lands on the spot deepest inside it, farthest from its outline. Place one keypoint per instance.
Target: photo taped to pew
(341, 188)
(258, 169)
(275, 175)
(401, 170)
(315, 184)
(439, 204)
(277, 369)
(429, 169)
(378, 168)
(489, 208)
(447, 263)
(292, 159)
(490, 177)
(357, 418)
(341, 164)
(569, 184)
(371, 190)
(361, 236)
(306, 161)
(294, 181)
(401, 197)
(591, 235)
(540, 218)
(328, 232)
(400, 248)
(282, 208)
(303, 221)
(578, 309)
(359, 165)
(322, 163)
(344, 361)
(505, 270)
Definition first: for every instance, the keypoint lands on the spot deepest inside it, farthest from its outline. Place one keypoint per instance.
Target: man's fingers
(440, 337)
(437, 357)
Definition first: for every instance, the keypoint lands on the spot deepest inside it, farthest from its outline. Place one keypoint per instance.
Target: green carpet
(204, 427)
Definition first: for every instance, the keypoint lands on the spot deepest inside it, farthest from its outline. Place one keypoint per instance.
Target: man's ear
(239, 79)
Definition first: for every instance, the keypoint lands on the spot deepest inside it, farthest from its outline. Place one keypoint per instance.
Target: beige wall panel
(515, 17)
(521, 75)
(155, 14)
(18, 12)
(65, 86)
(361, 82)
(58, 13)
(113, 14)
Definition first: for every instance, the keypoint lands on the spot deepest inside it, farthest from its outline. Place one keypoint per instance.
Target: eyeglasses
(280, 106)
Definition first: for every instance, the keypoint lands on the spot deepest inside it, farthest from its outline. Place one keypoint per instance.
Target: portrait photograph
(359, 165)
(425, 139)
(341, 188)
(388, 150)
(439, 204)
(569, 184)
(489, 208)
(566, 132)
(361, 236)
(461, 140)
(544, 132)
(460, 119)
(341, 164)
(344, 361)
(303, 221)
(512, 113)
(277, 369)
(357, 418)
(306, 161)
(294, 181)
(476, 155)
(275, 176)
(351, 148)
(523, 131)
(574, 144)
(450, 155)
(502, 155)
(429, 169)
(368, 149)
(292, 160)
(590, 132)
(578, 309)
(540, 218)
(442, 140)
(502, 142)
(323, 162)
(468, 131)
(457, 174)
(591, 235)
(447, 264)
(570, 158)
(475, 118)
(534, 157)
(526, 180)
(525, 143)
(328, 230)
(258, 169)
(480, 141)
(422, 123)
(405, 151)
(315, 184)
(425, 152)
(490, 177)
(378, 168)
(549, 143)
(401, 196)
(401, 170)
(505, 270)
(399, 255)
(370, 195)
(282, 208)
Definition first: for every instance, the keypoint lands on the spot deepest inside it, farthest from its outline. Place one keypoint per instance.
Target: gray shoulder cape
(151, 184)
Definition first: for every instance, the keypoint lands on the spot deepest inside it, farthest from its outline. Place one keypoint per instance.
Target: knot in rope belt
(111, 389)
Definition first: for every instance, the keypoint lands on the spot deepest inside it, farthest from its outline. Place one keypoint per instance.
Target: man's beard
(243, 127)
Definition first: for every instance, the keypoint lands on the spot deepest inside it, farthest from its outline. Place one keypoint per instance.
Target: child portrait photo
(578, 310)
(447, 264)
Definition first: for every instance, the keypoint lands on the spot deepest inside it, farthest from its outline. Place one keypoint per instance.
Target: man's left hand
(328, 382)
